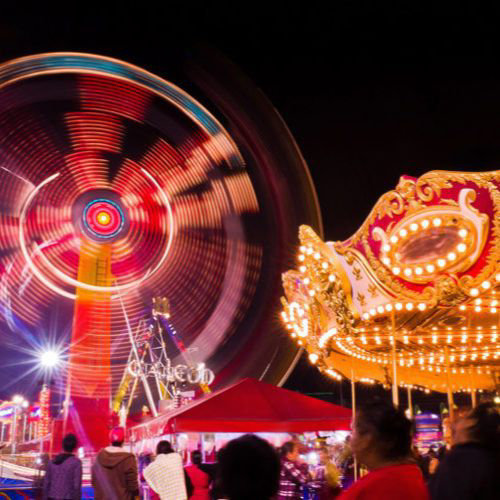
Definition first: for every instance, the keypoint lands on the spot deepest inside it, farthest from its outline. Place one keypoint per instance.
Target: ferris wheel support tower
(102, 220)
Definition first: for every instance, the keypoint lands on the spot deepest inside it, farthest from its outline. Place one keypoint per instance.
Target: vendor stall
(246, 406)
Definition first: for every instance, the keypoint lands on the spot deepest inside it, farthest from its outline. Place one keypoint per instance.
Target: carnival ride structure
(116, 186)
(412, 298)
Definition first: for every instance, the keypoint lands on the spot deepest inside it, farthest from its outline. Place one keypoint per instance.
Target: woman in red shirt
(381, 440)
(199, 478)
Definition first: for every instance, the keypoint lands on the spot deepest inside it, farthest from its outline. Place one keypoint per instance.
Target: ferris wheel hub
(101, 216)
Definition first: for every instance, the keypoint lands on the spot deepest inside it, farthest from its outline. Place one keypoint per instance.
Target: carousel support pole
(448, 382)
(472, 390)
(395, 394)
(410, 406)
(353, 395)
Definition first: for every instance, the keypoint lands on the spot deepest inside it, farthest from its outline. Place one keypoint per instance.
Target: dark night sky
(369, 91)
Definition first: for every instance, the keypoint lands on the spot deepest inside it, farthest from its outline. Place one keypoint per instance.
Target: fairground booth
(248, 406)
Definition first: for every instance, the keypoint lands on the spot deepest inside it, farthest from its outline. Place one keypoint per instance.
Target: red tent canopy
(249, 406)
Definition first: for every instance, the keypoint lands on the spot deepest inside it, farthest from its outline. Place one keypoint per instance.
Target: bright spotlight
(49, 359)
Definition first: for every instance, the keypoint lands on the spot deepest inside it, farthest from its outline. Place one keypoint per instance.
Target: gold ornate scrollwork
(448, 292)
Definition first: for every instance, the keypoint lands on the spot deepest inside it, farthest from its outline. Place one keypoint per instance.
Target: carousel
(412, 298)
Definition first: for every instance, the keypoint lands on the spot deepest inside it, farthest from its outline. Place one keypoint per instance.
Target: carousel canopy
(249, 406)
(417, 286)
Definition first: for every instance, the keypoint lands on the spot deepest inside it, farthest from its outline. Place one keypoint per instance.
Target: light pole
(18, 403)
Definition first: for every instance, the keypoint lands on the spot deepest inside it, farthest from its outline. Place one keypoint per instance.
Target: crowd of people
(249, 468)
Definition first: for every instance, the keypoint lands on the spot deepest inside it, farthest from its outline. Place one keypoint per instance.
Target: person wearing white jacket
(166, 475)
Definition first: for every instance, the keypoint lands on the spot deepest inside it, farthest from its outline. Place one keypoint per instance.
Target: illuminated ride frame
(412, 298)
(117, 186)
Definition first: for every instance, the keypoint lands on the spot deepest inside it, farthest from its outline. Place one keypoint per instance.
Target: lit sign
(179, 373)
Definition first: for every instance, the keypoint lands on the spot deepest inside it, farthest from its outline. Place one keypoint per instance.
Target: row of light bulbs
(422, 306)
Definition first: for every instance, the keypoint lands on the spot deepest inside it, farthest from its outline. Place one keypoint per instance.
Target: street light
(49, 359)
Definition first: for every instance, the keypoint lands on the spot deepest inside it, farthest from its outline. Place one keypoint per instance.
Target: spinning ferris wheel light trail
(116, 187)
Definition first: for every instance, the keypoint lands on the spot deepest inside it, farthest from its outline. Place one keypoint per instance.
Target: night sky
(369, 92)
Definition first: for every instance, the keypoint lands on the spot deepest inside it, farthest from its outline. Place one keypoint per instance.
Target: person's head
(117, 436)
(196, 457)
(381, 434)
(164, 447)
(324, 456)
(290, 451)
(480, 425)
(69, 443)
(249, 469)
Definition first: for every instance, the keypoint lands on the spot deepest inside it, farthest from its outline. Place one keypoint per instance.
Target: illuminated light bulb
(302, 249)
(398, 306)
(462, 307)
(301, 257)
(452, 256)
(493, 310)
(372, 312)
(405, 339)
(396, 270)
(408, 271)
(386, 248)
(461, 247)
(394, 239)
(317, 255)
(474, 292)
(324, 265)
(477, 309)
(380, 309)
(388, 307)
(494, 303)
(299, 342)
(312, 293)
(366, 316)
(436, 222)
(386, 261)
(422, 306)
(309, 250)
(302, 269)
(331, 278)
(413, 226)
(425, 223)
(430, 268)
(441, 262)
(403, 233)
(449, 339)
(434, 339)
(478, 302)
(462, 233)
(418, 270)
(409, 306)
(49, 359)
(486, 285)
(313, 357)
(497, 277)
(306, 281)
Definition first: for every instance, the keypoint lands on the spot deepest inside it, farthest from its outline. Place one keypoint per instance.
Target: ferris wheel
(117, 186)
